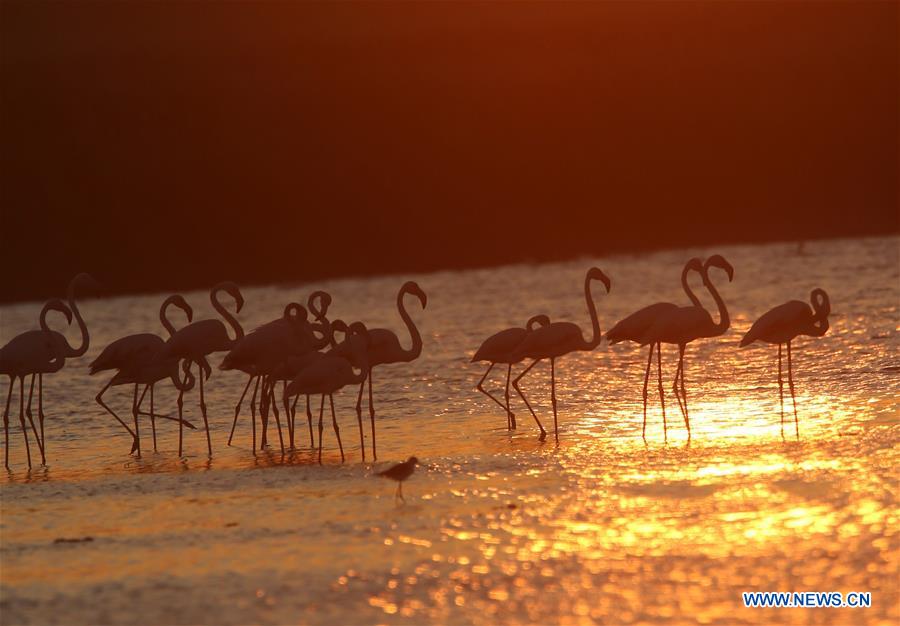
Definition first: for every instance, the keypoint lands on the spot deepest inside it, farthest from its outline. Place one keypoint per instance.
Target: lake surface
(498, 526)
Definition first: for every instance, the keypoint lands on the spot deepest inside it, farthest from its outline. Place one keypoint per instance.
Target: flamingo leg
(253, 412)
(677, 389)
(781, 389)
(372, 415)
(646, 380)
(181, 415)
(22, 417)
(321, 412)
(152, 417)
(28, 414)
(6, 420)
(791, 386)
(337, 430)
(525, 400)
(309, 420)
(294, 411)
(553, 397)
(510, 416)
(274, 405)
(134, 414)
(237, 408)
(481, 388)
(137, 414)
(41, 411)
(264, 412)
(203, 411)
(362, 443)
(662, 395)
(287, 416)
(99, 399)
(687, 419)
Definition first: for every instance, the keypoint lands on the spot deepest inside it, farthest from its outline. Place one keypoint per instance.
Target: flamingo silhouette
(498, 348)
(327, 373)
(685, 324)
(384, 348)
(80, 281)
(782, 325)
(557, 340)
(198, 340)
(258, 352)
(135, 355)
(633, 328)
(29, 353)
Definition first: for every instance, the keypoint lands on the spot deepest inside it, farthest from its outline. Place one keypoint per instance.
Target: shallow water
(497, 526)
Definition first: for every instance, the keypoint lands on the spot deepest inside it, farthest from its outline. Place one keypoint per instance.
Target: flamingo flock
(302, 352)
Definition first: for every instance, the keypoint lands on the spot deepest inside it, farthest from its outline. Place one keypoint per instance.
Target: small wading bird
(499, 348)
(685, 324)
(196, 341)
(34, 351)
(557, 340)
(135, 358)
(327, 373)
(635, 326)
(782, 325)
(399, 473)
(384, 348)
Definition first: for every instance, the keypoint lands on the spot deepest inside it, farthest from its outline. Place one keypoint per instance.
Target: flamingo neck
(595, 321)
(228, 317)
(163, 318)
(724, 319)
(85, 338)
(188, 383)
(416, 349)
(686, 286)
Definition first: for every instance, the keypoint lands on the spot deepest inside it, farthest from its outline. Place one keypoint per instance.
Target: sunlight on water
(498, 526)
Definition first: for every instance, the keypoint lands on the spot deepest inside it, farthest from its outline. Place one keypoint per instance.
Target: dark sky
(171, 144)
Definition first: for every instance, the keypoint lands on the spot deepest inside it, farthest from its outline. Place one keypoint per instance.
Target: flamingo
(327, 373)
(135, 353)
(384, 348)
(685, 324)
(782, 325)
(31, 352)
(80, 281)
(633, 327)
(498, 348)
(559, 339)
(197, 340)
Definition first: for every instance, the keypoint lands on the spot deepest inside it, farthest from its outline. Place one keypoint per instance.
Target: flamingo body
(636, 325)
(123, 352)
(782, 324)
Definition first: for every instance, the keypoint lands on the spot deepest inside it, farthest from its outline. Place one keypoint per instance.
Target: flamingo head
(540, 320)
(717, 260)
(340, 326)
(181, 303)
(55, 304)
(358, 328)
(84, 281)
(821, 302)
(413, 288)
(295, 312)
(324, 301)
(232, 290)
(694, 264)
(595, 273)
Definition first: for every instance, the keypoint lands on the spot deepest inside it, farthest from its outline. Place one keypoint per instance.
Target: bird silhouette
(633, 328)
(399, 473)
(135, 358)
(558, 339)
(328, 373)
(196, 341)
(26, 354)
(499, 348)
(782, 325)
(384, 348)
(262, 350)
(682, 325)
